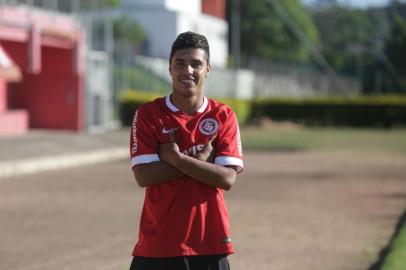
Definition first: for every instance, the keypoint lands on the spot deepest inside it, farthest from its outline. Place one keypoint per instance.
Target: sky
(359, 3)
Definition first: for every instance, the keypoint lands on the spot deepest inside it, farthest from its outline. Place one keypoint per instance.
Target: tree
(265, 35)
(345, 35)
(322, 4)
(353, 41)
(127, 34)
(395, 49)
(387, 67)
(90, 5)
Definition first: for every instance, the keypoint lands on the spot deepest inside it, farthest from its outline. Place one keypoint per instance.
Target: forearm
(155, 173)
(205, 172)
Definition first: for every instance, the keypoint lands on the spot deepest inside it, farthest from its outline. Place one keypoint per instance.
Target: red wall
(17, 51)
(215, 8)
(51, 90)
(54, 97)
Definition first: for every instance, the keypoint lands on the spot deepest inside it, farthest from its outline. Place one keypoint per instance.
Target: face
(189, 69)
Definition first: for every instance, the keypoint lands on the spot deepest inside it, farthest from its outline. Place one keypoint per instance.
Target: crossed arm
(175, 164)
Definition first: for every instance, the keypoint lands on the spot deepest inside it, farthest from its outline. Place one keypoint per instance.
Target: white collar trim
(173, 108)
(204, 105)
(170, 105)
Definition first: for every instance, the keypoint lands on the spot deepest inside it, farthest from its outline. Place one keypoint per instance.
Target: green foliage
(127, 32)
(367, 111)
(395, 50)
(113, 3)
(90, 5)
(396, 258)
(130, 100)
(396, 46)
(390, 67)
(242, 108)
(344, 34)
(264, 34)
(384, 111)
(355, 42)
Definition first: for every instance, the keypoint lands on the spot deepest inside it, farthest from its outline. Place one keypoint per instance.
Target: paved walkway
(41, 150)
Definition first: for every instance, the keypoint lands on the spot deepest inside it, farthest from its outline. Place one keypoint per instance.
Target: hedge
(130, 100)
(363, 111)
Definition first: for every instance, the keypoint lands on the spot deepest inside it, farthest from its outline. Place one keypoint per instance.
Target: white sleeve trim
(144, 159)
(226, 160)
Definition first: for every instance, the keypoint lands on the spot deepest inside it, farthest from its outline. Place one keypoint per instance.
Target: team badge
(208, 126)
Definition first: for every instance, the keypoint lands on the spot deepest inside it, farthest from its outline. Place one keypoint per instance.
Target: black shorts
(212, 262)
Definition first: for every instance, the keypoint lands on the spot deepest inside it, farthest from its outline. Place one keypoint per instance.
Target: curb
(10, 169)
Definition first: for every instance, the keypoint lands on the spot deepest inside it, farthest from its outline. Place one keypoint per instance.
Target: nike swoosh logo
(166, 131)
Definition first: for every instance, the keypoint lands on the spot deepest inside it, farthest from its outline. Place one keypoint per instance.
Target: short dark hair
(188, 40)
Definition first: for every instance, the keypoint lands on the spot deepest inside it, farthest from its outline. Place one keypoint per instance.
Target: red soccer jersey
(184, 217)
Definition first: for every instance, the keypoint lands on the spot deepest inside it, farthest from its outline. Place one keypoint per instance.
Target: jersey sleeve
(229, 149)
(143, 145)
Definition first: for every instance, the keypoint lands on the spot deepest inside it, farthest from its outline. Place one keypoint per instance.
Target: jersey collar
(173, 108)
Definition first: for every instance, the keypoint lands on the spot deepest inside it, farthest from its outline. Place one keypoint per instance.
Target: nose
(189, 69)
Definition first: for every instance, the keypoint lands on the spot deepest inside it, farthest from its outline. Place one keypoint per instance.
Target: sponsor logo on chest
(193, 150)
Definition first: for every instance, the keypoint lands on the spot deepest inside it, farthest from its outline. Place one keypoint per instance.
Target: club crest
(208, 126)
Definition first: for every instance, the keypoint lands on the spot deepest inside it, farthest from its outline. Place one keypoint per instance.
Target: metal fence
(66, 6)
(271, 80)
(294, 80)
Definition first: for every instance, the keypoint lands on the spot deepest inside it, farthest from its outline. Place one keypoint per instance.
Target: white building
(163, 20)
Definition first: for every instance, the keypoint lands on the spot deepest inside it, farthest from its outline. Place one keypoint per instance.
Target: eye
(197, 65)
(179, 65)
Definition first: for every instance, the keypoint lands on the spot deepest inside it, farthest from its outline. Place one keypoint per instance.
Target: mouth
(188, 81)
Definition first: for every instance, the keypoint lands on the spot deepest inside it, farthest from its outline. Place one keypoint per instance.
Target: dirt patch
(315, 210)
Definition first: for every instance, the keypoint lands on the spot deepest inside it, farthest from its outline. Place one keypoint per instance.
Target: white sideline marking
(32, 165)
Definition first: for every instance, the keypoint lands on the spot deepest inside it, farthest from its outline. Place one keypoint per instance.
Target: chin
(187, 92)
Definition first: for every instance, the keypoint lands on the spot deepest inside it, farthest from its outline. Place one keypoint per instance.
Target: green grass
(396, 260)
(392, 141)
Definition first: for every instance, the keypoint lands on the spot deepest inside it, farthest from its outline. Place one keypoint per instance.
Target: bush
(242, 108)
(130, 100)
(366, 111)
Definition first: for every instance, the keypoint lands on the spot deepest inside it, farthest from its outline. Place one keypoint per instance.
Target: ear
(170, 70)
(208, 70)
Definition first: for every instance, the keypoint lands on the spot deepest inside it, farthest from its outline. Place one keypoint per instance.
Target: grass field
(396, 259)
(295, 138)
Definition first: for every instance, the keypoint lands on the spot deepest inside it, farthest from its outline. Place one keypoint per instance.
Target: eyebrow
(183, 60)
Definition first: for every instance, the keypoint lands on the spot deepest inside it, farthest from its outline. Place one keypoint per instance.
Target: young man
(185, 149)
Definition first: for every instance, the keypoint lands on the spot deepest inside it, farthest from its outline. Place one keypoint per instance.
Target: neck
(189, 105)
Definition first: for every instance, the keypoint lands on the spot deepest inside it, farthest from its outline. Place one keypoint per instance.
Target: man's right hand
(169, 152)
(208, 152)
